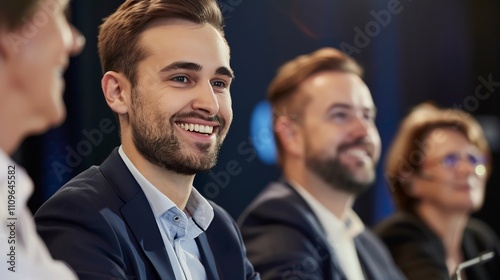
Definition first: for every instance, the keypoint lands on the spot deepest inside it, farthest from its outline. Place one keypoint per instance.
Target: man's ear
(289, 133)
(117, 92)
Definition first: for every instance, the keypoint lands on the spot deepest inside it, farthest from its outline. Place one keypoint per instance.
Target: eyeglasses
(451, 161)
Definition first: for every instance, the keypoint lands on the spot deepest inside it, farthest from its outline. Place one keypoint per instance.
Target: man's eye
(180, 79)
(339, 116)
(220, 84)
(369, 116)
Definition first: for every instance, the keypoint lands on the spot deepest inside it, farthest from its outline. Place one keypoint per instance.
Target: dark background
(412, 51)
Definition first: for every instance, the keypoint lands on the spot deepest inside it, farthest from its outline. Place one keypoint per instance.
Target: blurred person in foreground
(36, 41)
(167, 76)
(303, 226)
(437, 167)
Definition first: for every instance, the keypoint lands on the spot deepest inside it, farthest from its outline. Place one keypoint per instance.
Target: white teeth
(197, 128)
(356, 152)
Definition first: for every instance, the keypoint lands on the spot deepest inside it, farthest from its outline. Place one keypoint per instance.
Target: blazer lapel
(313, 227)
(138, 214)
(369, 266)
(207, 258)
(147, 234)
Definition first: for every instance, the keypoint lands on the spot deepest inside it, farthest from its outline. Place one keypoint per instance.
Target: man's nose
(206, 99)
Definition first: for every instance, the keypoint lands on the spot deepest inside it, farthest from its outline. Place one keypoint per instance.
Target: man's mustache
(359, 142)
(195, 115)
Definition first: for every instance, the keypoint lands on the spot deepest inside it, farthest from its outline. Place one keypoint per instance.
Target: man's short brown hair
(119, 48)
(294, 72)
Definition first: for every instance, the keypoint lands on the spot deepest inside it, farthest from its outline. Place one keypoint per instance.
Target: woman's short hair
(406, 154)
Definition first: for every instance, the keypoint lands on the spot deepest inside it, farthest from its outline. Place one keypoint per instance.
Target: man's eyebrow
(348, 106)
(225, 71)
(340, 106)
(191, 66)
(181, 65)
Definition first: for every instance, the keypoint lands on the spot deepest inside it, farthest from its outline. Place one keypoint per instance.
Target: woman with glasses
(437, 168)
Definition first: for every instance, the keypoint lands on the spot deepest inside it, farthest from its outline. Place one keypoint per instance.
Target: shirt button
(176, 218)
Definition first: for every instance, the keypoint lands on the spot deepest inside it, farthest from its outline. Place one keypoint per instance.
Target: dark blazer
(101, 224)
(420, 253)
(285, 240)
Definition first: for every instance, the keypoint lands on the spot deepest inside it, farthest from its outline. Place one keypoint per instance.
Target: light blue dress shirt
(178, 228)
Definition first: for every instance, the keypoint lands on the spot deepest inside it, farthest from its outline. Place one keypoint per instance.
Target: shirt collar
(351, 224)
(197, 206)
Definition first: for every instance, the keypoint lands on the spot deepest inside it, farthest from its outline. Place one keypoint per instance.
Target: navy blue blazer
(101, 224)
(285, 240)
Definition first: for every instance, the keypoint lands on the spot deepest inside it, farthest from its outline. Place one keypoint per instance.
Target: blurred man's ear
(290, 136)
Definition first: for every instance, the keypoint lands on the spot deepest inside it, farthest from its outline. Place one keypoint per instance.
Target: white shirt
(23, 255)
(178, 228)
(340, 233)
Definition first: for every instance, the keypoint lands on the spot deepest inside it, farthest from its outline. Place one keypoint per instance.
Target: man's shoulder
(89, 182)
(95, 184)
(280, 212)
(86, 177)
(277, 198)
(88, 190)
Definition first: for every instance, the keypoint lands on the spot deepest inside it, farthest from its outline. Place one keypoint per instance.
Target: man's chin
(362, 181)
(363, 174)
(191, 166)
(365, 179)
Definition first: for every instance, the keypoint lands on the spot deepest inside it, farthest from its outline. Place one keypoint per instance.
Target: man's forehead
(164, 44)
(330, 88)
(170, 33)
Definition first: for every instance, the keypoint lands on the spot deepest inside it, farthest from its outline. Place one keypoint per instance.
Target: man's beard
(157, 141)
(338, 175)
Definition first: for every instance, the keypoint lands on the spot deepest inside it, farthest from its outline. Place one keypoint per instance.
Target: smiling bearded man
(137, 215)
(303, 227)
